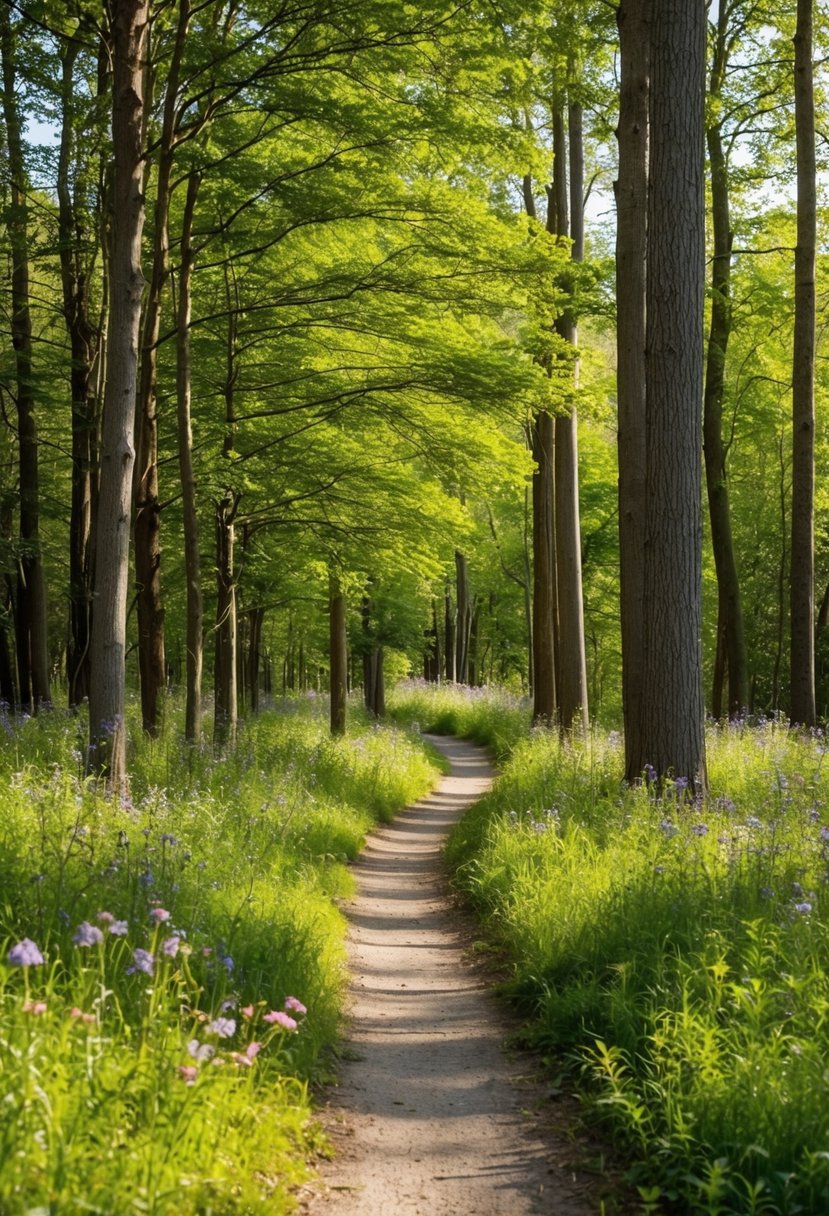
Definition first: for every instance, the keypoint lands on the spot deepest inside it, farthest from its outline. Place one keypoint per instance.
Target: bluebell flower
(25, 954)
(87, 935)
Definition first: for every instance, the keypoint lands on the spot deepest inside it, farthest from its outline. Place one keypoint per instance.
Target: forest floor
(432, 1116)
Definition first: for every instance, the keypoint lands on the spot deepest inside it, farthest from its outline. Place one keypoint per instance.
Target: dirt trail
(427, 1119)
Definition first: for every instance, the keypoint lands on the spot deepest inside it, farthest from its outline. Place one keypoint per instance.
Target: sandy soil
(431, 1117)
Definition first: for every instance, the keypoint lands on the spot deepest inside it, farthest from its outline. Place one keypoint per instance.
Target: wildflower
(280, 1019)
(119, 928)
(803, 908)
(295, 1006)
(87, 935)
(247, 1010)
(223, 1027)
(700, 829)
(669, 828)
(170, 946)
(680, 784)
(228, 963)
(80, 1016)
(158, 915)
(824, 832)
(252, 1050)
(188, 1073)
(168, 838)
(25, 954)
(35, 1008)
(106, 918)
(206, 951)
(753, 822)
(239, 1057)
(200, 1051)
(143, 961)
(650, 773)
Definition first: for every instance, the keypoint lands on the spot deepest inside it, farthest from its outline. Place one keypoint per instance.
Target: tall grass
(675, 953)
(158, 954)
(493, 717)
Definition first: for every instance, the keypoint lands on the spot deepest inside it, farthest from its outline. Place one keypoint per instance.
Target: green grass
(492, 717)
(169, 1086)
(676, 955)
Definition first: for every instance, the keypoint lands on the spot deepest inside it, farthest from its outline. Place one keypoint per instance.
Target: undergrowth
(675, 953)
(171, 966)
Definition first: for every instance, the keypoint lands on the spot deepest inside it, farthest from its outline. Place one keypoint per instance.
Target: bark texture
(670, 736)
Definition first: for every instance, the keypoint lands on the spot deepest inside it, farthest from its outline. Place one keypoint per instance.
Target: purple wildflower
(803, 908)
(87, 935)
(223, 1027)
(25, 954)
(170, 946)
(119, 928)
(700, 829)
(200, 1051)
(143, 961)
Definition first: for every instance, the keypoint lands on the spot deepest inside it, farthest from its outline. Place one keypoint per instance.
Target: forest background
(364, 268)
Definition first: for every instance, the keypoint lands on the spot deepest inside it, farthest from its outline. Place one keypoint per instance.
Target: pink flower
(281, 1019)
(252, 1050)
(159, 914)
(75, 1012)
(35, 1008)
(188, 1073)
(246, 1011)
(242, 1060)
(295, 1005)
(106, 918)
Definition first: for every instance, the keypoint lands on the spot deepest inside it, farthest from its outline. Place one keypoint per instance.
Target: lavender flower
(87, 935)
(142, 961)
(119, 928)
(25, 954)
(803, 908)
(223, 1027)
(170, 946)
(200, 1051)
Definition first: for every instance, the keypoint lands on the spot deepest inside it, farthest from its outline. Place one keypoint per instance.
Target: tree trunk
(631, 242)
(464, 618)
(572, 666)
(192, 560)
(802, 594)
(256, 618)
(108, 643)
(544, 672)
(32, 636)
(147, 530)
(671, 736)
(431, 657)
(338, 655)
(448, 636)
(224, 692)
(730, 631)
(84, 342)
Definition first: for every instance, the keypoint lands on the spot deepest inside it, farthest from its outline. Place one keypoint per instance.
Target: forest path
(430, 1116)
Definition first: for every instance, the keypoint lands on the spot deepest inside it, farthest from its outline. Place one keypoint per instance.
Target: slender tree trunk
(108, 643)
(731, 634)
(544, 672)
(572, 668)
(147, 533)
(671, 736)
(256, 618)
(464, 617)
(84, 341)
(631, 246)
(32, 636)
(192, 560)
(449, 652)
(225, 691)
(338, 655)
(431, 660)
(802, 595)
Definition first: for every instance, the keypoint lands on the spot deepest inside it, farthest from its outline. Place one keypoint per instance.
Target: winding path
(427, 1119)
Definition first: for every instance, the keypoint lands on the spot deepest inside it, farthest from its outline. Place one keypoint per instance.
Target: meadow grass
(171, 963)
(493, 717)
(673, 953)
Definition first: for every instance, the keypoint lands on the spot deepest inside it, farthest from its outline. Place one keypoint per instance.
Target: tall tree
(802, 600)
(731, 653)
(127, 38)
(631, 251)
(670, 734)
(30, 601)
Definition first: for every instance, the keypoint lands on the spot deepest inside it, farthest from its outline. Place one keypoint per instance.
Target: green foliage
(122, 1083)
(677, 953)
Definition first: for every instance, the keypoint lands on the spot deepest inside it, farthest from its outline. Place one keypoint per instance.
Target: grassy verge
(493, 717)
(676, 955)
(171, 964)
